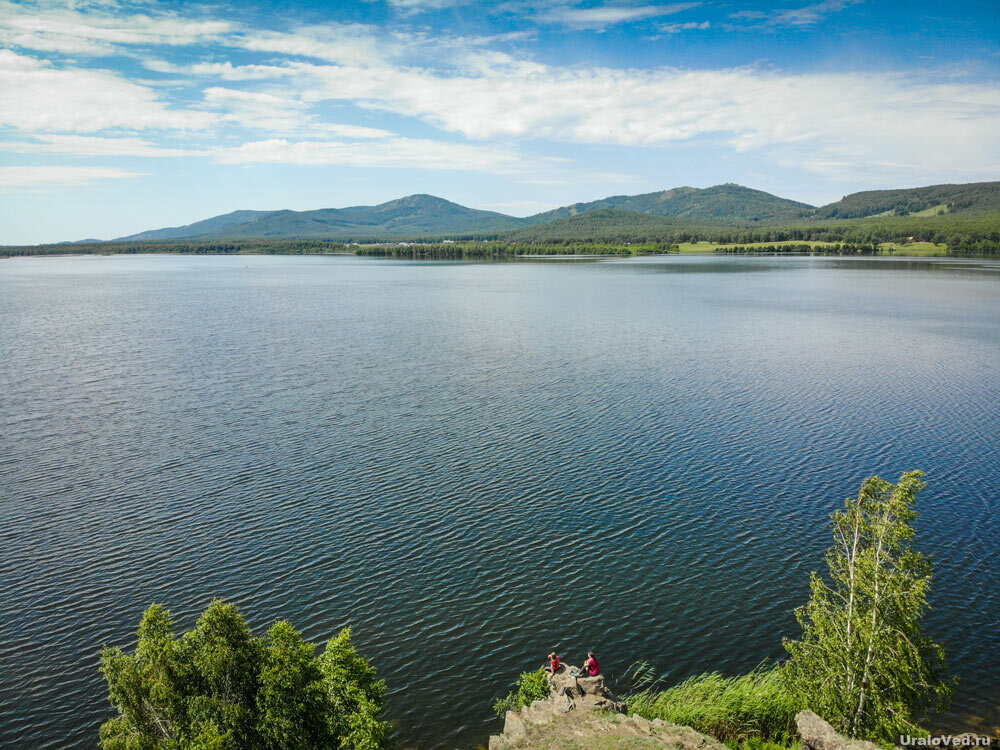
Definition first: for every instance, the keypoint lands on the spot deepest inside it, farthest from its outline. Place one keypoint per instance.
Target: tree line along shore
(969, 235)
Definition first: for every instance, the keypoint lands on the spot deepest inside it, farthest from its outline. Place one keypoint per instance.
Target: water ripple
(474, 464)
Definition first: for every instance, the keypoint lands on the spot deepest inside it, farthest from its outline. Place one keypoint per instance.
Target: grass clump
(754, 711)
(530, 687)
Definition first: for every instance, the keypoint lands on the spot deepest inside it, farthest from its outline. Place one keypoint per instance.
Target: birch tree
(863, 662)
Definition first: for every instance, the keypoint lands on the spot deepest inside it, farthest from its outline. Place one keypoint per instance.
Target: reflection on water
(473, 464)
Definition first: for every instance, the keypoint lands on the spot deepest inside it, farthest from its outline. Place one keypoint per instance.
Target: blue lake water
(473, 464)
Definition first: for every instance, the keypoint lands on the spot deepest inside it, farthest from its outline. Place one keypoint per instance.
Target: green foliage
(755, 707)
(182, 247)
(781, 743)
(220, 688)
(863, 662)
(947, 198)
(963, 233)
(531, 686)
(355, 695)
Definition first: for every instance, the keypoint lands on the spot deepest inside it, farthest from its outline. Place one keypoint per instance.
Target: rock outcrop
(583, 713)
(818, 734)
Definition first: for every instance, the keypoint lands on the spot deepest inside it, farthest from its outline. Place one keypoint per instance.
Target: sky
(120, 116)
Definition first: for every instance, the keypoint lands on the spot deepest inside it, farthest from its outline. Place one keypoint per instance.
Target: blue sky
(121, 116)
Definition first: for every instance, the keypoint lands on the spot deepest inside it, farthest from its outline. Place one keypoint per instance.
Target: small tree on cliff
(219, 688)
(863, 662)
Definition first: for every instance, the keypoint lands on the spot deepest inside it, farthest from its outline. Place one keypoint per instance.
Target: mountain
(925, 201)
(721, 203)
(414, 215)
(635, 217)
(209, 227)
(426, 215)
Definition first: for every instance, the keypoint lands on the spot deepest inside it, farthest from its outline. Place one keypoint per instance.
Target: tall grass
(747, 710)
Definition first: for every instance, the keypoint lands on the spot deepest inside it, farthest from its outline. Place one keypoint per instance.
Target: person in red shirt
(554, 664)
(590, 669)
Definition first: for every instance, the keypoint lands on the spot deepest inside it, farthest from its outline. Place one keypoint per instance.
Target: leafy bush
(220, 688)
(531, 686)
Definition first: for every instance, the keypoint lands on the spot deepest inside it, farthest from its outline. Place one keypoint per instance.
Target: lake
(472, 464)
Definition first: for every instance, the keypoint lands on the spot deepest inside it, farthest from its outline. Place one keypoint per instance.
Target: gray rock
(642, 724)
(818, 734)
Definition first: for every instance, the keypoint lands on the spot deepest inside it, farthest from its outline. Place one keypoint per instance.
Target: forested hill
(649, 216)
(925, 201)
(214, 226)
(719, 204)
(602, 224)
(414, 215)
(427, 215)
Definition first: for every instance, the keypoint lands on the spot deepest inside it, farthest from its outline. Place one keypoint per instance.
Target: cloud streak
(59, 176)
(407, 153)
(853, 116)
(72, 32)
(802, 17)
(676, 28)
(81, 145)
(602, 16)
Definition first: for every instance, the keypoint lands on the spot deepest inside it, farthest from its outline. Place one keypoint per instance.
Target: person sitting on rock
(590, 669)
(554, 664)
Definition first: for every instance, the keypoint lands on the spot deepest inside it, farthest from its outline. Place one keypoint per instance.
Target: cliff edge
(583, 713)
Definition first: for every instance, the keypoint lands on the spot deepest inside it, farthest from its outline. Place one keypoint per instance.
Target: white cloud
(39, 97)
(808, 15)
(395, 152)
(829, 123)
(811, 14)
(57, 176)
(82, 145)
(603, 16)
(495, 95)
(224, 70)
(41, 27)
(675, 28)
(425, 5)
(258, 110)
(354, 131)
(861, 116)
(337, 43)
(280, 113)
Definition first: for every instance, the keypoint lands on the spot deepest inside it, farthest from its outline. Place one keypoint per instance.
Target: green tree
(220, 688)
(292, 706)
(863, 662)
(355, 695)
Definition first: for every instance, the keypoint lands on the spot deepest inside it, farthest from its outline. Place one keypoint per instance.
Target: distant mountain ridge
(428, 216)
(412, 215)
(204, 228)
(721, 202)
